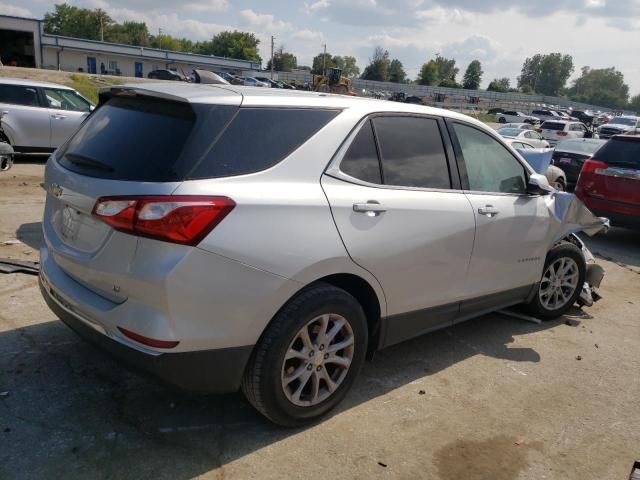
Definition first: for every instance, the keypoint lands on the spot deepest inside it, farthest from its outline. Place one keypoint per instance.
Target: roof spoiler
(106, 93)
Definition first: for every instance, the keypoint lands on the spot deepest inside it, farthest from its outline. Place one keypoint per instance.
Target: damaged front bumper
(572, 216)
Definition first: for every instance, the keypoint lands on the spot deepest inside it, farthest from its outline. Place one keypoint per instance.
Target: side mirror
(538, 185)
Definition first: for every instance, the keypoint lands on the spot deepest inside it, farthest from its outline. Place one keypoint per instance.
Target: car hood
(617, 126)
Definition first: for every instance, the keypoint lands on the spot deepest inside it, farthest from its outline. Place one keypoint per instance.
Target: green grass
(89, 86)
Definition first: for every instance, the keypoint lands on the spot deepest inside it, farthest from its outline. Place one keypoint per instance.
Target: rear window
(552, 126)
(19, 95)
(620, 153)
(152, 140)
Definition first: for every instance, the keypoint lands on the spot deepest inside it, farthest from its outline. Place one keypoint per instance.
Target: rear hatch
(133, 144)
(553, 131)
(620, 180)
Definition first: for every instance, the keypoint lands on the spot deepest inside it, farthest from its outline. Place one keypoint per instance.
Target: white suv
(37, 117)
(554, 131)
(516, 117)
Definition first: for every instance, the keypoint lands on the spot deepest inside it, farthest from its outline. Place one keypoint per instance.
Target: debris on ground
(421, 392)
(11, 242)
(382, 464)
(520, 442)
(9, 265)
(578, 357)
(596, 345)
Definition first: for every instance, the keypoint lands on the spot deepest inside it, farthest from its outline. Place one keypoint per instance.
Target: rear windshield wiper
(83, 161)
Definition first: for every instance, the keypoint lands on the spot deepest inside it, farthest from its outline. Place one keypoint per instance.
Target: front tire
(308, 357)
(502, 120)
(562, 280)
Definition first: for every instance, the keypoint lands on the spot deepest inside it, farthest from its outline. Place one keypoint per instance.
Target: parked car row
(167, 74)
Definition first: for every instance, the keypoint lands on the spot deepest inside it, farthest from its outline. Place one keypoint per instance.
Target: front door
(401, 220)
(512, 227)
(138, 69)
(91, 65)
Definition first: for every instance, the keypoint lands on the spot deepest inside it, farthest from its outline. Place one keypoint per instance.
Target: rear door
(403, 217)
(24, 119)
(67, 110)
(511, 226)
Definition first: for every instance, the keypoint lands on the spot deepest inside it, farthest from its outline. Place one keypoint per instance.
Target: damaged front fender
(569, 215)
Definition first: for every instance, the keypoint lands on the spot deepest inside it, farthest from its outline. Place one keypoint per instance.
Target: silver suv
(38, 117)
(231, 237)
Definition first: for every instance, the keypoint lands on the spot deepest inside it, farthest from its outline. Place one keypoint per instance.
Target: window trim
(460, 162)
(333, 169)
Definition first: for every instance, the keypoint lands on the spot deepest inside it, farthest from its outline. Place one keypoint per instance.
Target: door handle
(488, 210)
(5, 112)
(371, 208)
(58, 116)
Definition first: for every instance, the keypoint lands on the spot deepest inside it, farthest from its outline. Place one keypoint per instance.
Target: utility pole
(272, 38)
(101, 26)
(324, 61)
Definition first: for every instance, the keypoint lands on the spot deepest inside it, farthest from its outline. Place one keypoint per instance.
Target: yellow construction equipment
(333, 82)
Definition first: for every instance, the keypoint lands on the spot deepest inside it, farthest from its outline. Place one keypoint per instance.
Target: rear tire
(297, 373)
(562, 280)
(502, 120)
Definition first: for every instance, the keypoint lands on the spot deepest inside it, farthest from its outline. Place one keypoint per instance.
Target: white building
(23, 43)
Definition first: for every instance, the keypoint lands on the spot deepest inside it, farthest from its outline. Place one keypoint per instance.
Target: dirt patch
(497, 458)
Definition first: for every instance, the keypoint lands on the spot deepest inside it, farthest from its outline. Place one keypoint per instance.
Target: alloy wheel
(559, 282)
(317, 360)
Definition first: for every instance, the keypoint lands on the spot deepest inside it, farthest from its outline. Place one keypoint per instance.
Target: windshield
(586, 146)
(509, 132)
(624, 121)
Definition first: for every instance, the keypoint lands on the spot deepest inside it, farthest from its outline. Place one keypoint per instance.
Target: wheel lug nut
(326, 355)
(309, 367)
(312, 353)
(321, 347)
(318, 368)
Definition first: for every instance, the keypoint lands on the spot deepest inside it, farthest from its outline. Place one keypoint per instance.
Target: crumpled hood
(570, 215)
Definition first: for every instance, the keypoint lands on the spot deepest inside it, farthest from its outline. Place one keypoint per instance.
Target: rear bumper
(618, 219)
(202, 371)
(620, 215)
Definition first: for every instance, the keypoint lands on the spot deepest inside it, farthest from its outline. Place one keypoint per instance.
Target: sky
(499, 33)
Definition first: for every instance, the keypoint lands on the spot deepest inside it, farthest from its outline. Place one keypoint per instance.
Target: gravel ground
(494, 398)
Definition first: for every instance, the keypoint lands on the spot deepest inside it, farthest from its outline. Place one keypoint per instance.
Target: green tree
(165, 42)
(240, 45)
(283, 61)
(473, 76)
(447, 82)
(447, 70)
(499, 85)
(378, 68)
(634, 104)
(602, 86)
(130, 33)
(546, 74)
(77, 22)
(396, 72)
(348, 66)
(428, 74)
(320, 61)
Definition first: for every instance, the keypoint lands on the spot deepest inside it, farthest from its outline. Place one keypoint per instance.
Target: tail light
(151, 342)
(592, 166)
(183, 219)
(562, 134)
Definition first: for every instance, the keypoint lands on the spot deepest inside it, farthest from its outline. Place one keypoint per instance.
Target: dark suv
(609, 183)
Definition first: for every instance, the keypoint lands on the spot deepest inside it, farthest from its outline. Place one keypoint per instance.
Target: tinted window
(490, 166)
(361, 160)
(620, 153)
(258, 138)
(412, 152)
(552, 126)
(18, 95)
(142, 139)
